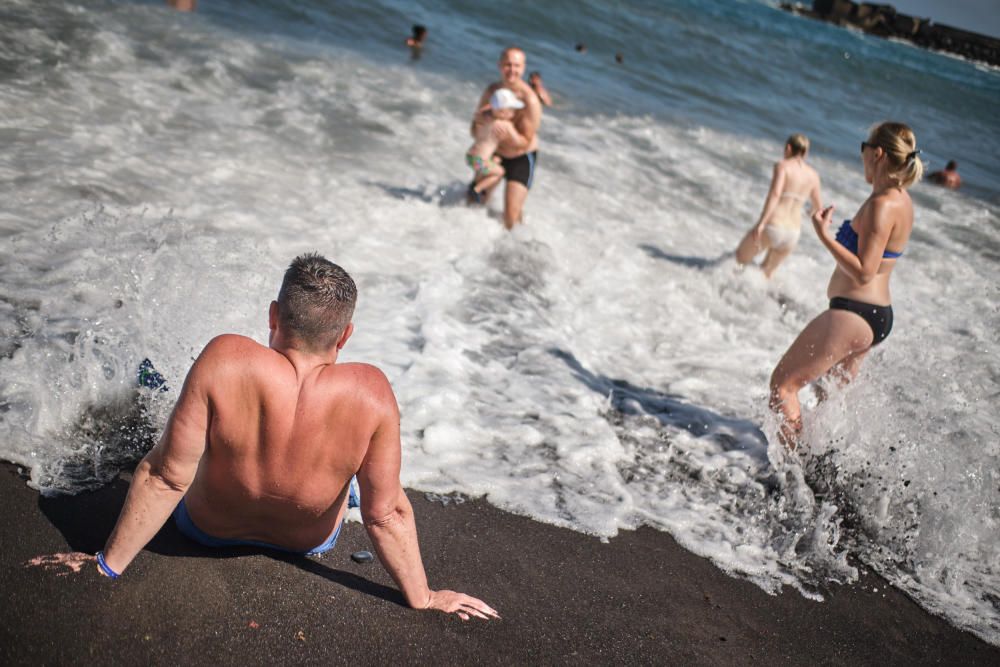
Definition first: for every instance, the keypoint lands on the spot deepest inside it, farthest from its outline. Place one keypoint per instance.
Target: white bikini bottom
(782, 238)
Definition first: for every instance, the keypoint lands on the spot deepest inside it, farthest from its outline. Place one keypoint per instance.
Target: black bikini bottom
(879, 318)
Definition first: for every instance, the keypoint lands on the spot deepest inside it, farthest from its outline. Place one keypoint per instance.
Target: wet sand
(565, 598)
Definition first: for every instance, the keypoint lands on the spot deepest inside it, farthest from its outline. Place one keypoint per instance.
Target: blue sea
(604, 366)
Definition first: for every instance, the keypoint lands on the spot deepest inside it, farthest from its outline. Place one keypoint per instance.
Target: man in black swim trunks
(518, 158)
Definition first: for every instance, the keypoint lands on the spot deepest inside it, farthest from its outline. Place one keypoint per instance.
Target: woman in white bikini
(777, 231)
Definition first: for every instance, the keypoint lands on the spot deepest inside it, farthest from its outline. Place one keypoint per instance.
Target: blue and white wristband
(103, 566)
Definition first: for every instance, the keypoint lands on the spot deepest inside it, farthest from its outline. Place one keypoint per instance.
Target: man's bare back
(270, 430)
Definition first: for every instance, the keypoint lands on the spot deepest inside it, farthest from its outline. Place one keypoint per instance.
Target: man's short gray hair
(316, 301)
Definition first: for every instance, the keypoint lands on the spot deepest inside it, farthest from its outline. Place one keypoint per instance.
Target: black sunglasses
(865, 144)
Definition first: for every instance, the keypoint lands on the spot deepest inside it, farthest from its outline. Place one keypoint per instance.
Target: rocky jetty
(885, 21)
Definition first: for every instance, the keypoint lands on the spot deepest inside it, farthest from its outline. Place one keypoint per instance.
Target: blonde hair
(799, 144)
(900, 146)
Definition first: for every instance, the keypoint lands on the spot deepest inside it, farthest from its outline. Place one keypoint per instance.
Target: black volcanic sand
(565, 598)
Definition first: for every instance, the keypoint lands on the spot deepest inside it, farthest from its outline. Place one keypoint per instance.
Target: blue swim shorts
(193, 532)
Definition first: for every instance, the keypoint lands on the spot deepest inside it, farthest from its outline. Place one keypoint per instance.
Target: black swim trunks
(879, 318)
(520, 169)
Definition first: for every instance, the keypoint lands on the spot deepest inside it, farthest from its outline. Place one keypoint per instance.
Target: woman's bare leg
(847, 368)
(773, 258)
(749, 247)
(831, 338)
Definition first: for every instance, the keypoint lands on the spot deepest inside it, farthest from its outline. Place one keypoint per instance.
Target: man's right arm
(388, 517)
(165, 473)
(484, 101)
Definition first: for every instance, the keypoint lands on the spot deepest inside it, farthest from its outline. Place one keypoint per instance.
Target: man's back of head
(316, 302)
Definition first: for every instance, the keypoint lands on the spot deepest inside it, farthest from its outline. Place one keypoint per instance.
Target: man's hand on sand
(72, 562)
(464, 605)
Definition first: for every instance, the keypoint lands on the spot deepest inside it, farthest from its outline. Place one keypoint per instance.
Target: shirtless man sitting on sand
(264, 441)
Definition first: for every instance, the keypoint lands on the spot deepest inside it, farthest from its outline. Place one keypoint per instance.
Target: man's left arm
(164, 475)
(532, 117)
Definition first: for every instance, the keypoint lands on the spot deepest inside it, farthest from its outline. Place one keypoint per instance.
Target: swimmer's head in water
(419, 32)
(899, 147)
(951, 166)
(504, 99)
(798, 144)
(511, 64)
(316, 302)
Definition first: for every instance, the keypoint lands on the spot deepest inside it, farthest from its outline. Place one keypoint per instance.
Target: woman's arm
(773, 197)
(874, 227)
(815, 199)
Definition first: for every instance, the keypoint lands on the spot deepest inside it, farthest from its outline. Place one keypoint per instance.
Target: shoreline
(885, 21)
(565, 597)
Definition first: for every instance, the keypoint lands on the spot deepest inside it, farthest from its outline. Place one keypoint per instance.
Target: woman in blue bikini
(866, 250)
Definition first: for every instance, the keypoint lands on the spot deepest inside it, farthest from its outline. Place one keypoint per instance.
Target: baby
(492, 126)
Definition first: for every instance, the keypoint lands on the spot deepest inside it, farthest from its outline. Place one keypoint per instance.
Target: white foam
(602, 367)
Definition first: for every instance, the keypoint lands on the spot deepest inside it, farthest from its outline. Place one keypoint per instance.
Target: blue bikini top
(847, 237)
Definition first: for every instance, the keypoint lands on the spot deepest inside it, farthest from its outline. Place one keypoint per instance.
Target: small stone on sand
(362, 557)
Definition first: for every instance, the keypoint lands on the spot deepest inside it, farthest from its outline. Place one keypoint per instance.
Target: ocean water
(603, 367)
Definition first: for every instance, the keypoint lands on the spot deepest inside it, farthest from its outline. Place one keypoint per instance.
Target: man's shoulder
(227, 358)
(228, 344)
(365, 381)
(527, 94)
(233, 351)
(489, 90)
(361, 370)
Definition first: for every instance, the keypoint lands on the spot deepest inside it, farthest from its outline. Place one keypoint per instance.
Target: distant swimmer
(535, 81)
(581, 47)
(619, 58)
(264, 444)
(493, 127)
(777, 231)
(518, 157)
(866, 249)
(416, 40)
(947, 177)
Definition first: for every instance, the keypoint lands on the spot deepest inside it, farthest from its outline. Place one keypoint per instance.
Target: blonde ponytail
(900, 146)
(799, 144)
